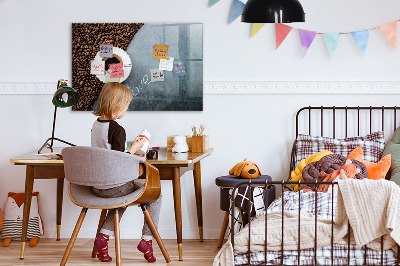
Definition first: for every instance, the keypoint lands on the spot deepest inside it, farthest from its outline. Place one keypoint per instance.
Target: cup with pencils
(199, 140)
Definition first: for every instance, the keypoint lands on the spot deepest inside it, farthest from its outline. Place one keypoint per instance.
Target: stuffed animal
(245, 169)
(13, 215)
(180, 144)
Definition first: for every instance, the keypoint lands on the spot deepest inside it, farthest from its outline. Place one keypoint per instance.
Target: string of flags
(361, 37)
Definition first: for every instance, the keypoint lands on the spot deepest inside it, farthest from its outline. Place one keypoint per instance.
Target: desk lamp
(63, 97)
(273, 11)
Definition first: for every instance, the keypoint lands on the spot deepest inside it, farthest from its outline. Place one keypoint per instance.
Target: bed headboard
(344, 121)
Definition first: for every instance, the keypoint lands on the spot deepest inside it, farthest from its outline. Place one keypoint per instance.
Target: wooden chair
(85, 167)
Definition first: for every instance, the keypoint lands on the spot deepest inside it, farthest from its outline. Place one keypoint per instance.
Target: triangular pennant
(281, 31)
(361, 37)
(213, 2)
(306, 39)
(256, 27)
(237, 9)
(389, 30)
(332, 41)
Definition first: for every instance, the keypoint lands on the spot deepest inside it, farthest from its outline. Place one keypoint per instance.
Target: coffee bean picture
(133, 47)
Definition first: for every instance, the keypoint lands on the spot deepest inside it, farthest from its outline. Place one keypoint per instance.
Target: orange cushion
(375, 170)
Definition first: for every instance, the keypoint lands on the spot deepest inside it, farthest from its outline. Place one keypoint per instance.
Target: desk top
(164, 157)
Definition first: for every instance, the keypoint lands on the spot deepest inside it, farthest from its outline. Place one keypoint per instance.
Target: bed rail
(265, 185)
(341, 119)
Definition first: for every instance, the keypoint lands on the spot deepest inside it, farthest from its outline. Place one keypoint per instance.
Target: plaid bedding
(323, 207)
(372, 145)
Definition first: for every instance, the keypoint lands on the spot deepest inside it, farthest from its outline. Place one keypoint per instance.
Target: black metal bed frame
(283, 184)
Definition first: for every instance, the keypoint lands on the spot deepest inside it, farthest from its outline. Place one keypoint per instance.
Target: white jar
(144, 134)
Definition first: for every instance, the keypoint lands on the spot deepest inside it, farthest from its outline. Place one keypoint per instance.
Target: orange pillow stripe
(375, 170)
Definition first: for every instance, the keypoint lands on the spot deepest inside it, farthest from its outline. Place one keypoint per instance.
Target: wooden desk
(171, 167)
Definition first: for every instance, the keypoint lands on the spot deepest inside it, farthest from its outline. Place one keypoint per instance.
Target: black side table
(226, 183)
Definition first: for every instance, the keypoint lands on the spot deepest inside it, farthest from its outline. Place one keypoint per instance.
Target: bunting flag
(256, 27)
(306, 39)
(237, 9)
(389, 30)
(361, 37)
(213, 2)
(332, 41)
(281, 31)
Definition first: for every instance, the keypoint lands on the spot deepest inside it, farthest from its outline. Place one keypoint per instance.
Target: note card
(110, 79)
(157, 75)
(160, 51)
(166, 64)
(97, 67)
(117, 70)
(179, 70)
(106, 50)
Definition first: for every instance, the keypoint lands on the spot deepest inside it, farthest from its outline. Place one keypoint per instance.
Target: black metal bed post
(333, 192)
(283, 211)
(249, 220)
(266, 220)
(315, 222)
(298, 238)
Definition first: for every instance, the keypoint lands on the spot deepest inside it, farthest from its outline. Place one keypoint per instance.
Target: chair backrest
(91, 166)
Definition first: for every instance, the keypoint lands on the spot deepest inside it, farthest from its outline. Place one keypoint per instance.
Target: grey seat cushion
(83, 196)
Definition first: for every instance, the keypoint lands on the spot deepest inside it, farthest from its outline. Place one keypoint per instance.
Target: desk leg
(60, 190)
(176, 182)
(27, 206)
(199, 204)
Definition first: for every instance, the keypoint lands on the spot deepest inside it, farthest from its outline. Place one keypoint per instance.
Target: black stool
(226, 183)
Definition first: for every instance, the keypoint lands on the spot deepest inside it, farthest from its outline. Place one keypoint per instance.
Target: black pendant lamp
(273, 11)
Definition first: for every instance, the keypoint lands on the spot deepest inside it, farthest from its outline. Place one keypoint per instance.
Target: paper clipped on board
(157, 75)
(166, 64)
(160, 51)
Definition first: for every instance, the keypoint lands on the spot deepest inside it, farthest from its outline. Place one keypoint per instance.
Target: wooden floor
(50, 252)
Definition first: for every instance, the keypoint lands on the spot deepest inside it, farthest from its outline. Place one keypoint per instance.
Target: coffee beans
(86, 40)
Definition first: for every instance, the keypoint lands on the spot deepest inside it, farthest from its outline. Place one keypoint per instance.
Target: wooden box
(200, 143)
(171, 143)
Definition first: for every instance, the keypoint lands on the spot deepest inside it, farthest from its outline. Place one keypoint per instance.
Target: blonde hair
(112, 99)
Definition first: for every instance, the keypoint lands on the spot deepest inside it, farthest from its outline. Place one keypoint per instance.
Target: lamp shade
(60, 99)
(273, 11)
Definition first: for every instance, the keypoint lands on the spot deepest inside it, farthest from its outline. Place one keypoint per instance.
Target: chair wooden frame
(150, 193)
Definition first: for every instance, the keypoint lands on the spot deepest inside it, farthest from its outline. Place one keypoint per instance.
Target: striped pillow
(372, 145)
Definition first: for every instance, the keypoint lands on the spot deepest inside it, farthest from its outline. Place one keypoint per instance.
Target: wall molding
(245, 87)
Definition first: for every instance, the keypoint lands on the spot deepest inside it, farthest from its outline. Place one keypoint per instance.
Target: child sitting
(106, 133)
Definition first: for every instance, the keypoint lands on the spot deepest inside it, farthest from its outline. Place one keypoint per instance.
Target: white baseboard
(246, 87)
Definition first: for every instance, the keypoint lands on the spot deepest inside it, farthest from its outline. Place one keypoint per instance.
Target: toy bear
(245, 169)
(13, 215)
(180, 144)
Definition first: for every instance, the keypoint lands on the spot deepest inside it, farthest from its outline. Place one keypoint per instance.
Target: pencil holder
(200, 143)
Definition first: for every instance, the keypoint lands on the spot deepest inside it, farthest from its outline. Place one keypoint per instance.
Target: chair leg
(73, 237)
(154, 230)
(223, 229)
(101, 222)
(117, 239)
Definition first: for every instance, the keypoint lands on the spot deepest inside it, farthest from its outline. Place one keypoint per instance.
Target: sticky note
(97, 67)
(157, 75)
(110, 79)
(106, 50)
(179, 70)
(116, 70)
(166, 64)
(160, 51)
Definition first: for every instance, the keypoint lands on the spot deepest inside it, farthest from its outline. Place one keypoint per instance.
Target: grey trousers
(153, 208)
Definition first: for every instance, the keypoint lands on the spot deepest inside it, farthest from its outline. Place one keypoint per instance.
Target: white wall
(35, 41)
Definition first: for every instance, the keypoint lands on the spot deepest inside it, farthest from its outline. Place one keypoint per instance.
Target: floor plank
(50, 252)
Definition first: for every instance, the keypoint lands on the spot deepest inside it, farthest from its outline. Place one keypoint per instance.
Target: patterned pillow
(372, 144)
